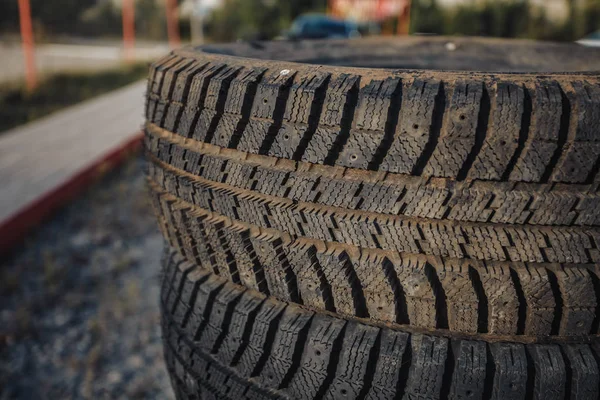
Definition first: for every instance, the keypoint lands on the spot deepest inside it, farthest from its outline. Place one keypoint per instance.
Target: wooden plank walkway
(38, 157)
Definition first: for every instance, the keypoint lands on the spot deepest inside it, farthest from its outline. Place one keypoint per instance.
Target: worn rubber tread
(468, 296)
(499, 242)
(474, 201)
(337, 232)
(323, 355)
(479, 136)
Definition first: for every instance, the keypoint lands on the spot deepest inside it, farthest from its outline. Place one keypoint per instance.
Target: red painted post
(404, 20)
(128, 29)
(172, 25)
(28, 45)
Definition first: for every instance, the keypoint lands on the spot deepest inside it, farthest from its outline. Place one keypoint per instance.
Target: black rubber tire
(223, 341)
(464, 204)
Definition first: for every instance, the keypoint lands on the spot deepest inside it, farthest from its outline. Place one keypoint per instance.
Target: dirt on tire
(445, 222)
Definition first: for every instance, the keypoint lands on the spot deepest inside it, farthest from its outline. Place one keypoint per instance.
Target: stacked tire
(339, 232)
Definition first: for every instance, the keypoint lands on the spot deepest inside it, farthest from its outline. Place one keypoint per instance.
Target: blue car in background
(318, 26)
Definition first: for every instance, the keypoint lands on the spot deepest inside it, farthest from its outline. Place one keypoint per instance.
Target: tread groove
(439, 109)
(441, 307)
(297, 355)
(332, 366)
(563, 135)
(345, 125)
(522, 310)
(278, 114)
(316, 110)
(483, 121)
(523, 133)
(391, 121)
(482, 308)
(559, 302)
(247, 333)
(268, 343)
(246, 111)
(371, 368)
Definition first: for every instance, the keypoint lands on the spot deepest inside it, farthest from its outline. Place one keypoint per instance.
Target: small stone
(114, 377)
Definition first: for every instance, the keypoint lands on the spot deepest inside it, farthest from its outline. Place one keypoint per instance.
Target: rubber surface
(224, 341)
(425, 52)
(442, 204)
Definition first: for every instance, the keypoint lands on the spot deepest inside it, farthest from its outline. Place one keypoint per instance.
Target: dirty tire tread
(338, 232)
(315, 355)
(462, 295)
(491, 127)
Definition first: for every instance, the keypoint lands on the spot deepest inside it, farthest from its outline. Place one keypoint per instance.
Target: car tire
(453, 213)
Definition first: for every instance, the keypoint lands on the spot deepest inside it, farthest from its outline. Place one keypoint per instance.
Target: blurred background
(98, 35)
(79, 249)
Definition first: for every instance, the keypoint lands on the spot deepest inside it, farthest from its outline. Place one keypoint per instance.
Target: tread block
(418, 294)
(510, 378)
(415, 125)
(550, 372)
(237, 107)
(268, 316)
(219, 314)
(280, 277)
(321, 348)
(584, 371)
(360, 148)
(249, 268)
(502, 300)
(290, 333)
(580, 154)
(314, 289)
(200, 313)
(377, 288)
(288, 139)
(221, 257)
(195, 101)
(370, 123)
(336, 116)
(157, 73)
(427, 367)
(468, 379)
(346, 289)
(350, 374)
(542, 141)
(267, 111)
(389, 363)
(338, 97)
(578, 301)
(242, 314)
(539, 298)
(461, 299)
(214, 103)
(458, 131)
(499, 146)
(180, 95)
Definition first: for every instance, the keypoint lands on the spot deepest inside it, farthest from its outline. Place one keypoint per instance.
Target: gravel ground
(79, 301)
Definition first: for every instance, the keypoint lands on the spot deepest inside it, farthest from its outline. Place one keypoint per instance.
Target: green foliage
(505, 18)
(426, 17)
(18, 106)
(266, 19)
(256, 19)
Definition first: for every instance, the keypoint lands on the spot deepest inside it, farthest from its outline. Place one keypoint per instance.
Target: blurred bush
(507, 18)
(266, 19)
